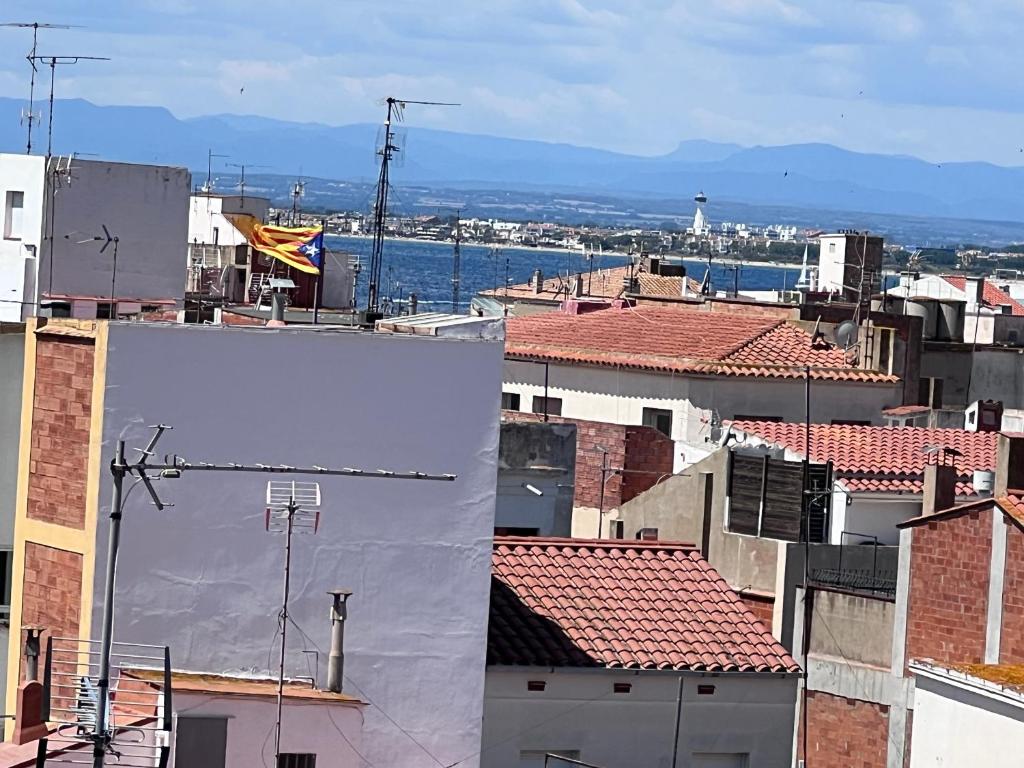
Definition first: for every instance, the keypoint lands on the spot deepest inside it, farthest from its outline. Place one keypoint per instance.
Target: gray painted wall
(542, 456)
(852, 627)
(205, 577)
(578, 711)
(146, 206)
(12, 367)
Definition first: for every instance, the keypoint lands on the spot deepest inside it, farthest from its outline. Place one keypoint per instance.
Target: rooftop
(1005, 680)
(602, 284)
(621, 604)
(882, 459)
(992, 294)
(230, 685)
(681, 341)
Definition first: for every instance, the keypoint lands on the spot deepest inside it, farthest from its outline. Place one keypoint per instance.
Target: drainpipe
(32, 653)
(336, 660)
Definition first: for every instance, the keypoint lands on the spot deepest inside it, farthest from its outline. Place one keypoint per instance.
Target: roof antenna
(53, 61)
(386, 152)
(30, 116)
(208, 186)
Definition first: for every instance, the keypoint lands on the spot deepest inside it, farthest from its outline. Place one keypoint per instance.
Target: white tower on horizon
(701, 228)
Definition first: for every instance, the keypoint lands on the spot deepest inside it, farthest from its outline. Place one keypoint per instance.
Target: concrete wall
(853, 628)
(749, 715)
(956, 726)
(306, 726)
(619, 396)
(206, 213)
(542, 456)
(204, 576)
(145, 206)
(994, 373)
(12, 365)
(18, 257)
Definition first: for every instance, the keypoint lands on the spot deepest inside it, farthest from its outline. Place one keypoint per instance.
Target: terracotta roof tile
(992, 294)
(632, 605)
(602, 284)
(681, 340)
(883, 459)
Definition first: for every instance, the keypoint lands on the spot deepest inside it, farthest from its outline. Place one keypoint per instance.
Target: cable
(351, 746)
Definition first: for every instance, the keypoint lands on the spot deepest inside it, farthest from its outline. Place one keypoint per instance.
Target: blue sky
(934, 78)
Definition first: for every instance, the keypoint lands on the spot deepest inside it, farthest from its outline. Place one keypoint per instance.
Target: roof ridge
(746, 343)
(537, 541)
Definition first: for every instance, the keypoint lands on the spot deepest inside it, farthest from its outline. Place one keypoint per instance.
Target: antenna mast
(456, 262)
(210, 154)
(396, 108)
(35, 26)
(53, 61)
(298, 190)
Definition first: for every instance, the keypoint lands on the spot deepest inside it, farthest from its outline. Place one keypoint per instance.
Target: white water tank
(983, 481)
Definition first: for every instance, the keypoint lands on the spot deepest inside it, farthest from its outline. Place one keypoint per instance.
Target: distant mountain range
(816, 176)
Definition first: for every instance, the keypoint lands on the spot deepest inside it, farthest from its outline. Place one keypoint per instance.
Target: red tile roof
(621, 604)
(680, 340)
(1013, 505)
(992, 294)
(603, 284)
(882, 459)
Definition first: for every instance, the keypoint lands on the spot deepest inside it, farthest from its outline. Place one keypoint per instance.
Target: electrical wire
(351, 746)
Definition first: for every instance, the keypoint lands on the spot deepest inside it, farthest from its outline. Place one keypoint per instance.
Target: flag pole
(318, 286)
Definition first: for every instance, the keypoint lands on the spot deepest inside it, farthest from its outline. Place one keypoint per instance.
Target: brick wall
(52, 595)
(61, 410)
(948, 601)
(630, 447)
(761, 607)
(844, 733)
(1011, 643)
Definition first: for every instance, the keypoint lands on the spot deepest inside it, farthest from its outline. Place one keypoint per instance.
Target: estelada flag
(299, 247)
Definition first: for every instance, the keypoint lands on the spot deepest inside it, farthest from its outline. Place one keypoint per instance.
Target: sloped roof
(992, 294)
(869, 458)
(681, 340)
(621, 604)
(602, 284)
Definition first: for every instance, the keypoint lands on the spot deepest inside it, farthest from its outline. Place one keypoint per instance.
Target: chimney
(538, 280)
(1009, 463)
(577, 287)
(29, 724)
(336, 660)
(974, 287)
(414, 303)
(276, 310)
(939, 488)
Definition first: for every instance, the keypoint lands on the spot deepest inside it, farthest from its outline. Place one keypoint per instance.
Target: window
(617, 529)
(200, 742)
(510, 401)
(521, 532)
(831, 247)
(647, 534)
(658, 418)
(552, 406)
(296, 760)
(6, 560)
(885, 336)
(14, 208)
(216, 235)
(930, 392)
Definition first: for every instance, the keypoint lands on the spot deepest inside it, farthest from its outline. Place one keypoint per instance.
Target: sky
(937, 79)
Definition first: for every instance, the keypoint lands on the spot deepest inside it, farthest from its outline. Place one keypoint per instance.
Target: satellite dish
(846, 334)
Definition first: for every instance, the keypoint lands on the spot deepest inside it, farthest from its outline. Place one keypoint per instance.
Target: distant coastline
(549, 249)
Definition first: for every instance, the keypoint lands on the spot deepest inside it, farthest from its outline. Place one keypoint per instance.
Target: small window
(930, 392)
(552, 406)
(622, 687)
(831, 247)
(216, 241)
(6, 560)
(705, 690)
(744, 417)
(617, 529)
(510, 401)
(14, 209)
(520, 532)
(658, 418)
(536, 685)
(296, 760)
(885, 336)
(647, 534)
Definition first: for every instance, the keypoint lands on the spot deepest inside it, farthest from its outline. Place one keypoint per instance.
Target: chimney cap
(340, 592)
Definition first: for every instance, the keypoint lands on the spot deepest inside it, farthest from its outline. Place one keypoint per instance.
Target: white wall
(579, 711)
(205, 577)
(954, 727)
(306, 726)
(145, 206)
(619, 397)
(872, 514)
(205, 215)
(20, 173)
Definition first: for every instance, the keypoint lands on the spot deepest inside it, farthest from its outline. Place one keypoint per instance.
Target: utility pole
(456, 263)
(172, 468)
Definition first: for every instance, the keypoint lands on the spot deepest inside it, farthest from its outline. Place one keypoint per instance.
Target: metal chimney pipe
(32, 653)
(414, 303)
(336, 659)
(277, 307)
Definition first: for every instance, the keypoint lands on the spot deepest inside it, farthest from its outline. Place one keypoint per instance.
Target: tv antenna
(456, 262)
(30, 116)
(241, 181)
(106, 238)
(395, 113)
(52, 62)
(298, 192)
(210, 154)
(292, 506)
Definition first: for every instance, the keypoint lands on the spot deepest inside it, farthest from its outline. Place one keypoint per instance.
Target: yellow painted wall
(48, 534)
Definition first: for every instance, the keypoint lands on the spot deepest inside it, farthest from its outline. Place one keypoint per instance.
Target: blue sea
(425, 268)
